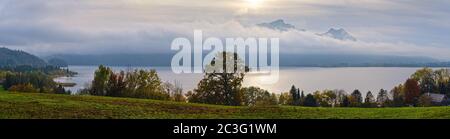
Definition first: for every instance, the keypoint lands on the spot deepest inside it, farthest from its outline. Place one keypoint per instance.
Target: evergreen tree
(356, 99)
(310, 101)
(382, 98)
(369, 101)
(302, 98)
(295, 94)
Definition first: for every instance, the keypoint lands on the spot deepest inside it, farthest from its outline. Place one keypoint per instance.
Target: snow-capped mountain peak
(278, 25)
(339, 34)
(281, 25)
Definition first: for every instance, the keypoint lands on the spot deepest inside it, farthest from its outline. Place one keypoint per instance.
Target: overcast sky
(390, 27)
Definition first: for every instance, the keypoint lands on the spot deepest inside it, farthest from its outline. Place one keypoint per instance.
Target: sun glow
(254, 3)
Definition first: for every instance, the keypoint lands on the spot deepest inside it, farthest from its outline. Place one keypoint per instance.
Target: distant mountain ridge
(339, 34)
(281, 25)
(10, 57)
(300, 60)
(355, 60)
(117, 59)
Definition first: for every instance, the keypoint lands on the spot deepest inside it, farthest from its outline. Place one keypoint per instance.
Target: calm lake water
(308, 79)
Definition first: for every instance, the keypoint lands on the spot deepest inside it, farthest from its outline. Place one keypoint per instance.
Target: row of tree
(132, 84)
(410, 93)
(50, 70)
(220, 89)
(35, 81)
(407, 94)
(334, 98)
(32, 78)
(226, 89)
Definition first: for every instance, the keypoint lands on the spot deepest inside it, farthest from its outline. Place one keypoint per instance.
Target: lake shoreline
(309, 79)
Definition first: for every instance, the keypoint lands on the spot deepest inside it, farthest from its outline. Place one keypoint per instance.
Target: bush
(23, 88)
(178, 97)
(425, 101)
(60, 90)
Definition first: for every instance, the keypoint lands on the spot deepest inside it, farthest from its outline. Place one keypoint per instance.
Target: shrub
(425, 101)
(23, 88)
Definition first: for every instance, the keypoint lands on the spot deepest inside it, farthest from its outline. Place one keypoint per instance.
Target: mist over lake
(308, 79)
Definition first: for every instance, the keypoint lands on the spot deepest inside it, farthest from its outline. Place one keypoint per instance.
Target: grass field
(51, 106)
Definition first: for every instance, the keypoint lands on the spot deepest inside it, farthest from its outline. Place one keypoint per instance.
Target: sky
(384, 27)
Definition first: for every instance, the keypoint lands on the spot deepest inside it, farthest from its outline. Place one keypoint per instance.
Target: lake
(308, 79)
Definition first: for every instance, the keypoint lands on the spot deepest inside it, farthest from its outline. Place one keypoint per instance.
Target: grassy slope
(21, 105)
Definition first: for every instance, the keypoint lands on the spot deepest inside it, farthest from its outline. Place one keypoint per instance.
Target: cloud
(385, 27)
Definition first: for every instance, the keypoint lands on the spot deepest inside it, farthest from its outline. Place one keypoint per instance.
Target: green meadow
(52, 106)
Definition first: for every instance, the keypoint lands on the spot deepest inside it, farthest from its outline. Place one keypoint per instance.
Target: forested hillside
(12, 58)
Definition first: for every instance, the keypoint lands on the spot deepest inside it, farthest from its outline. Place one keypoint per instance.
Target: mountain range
(301, 60)
(281, 25)
(16, 58)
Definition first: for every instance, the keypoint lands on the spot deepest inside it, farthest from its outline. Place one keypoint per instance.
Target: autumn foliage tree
(285, 99)
(222, 82)
(398, 96)
(433, 81)
(101, 78)
(426, 80)
(133, 84)
(412, 92)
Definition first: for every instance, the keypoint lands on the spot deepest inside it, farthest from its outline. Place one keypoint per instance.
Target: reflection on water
(349, 79)
(308, 79)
